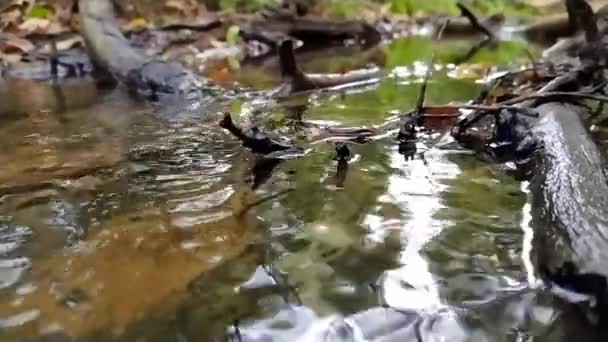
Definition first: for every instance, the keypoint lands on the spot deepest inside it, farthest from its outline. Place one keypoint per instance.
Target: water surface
(118, 223)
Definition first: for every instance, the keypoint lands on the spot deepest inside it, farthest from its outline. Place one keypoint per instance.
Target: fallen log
(110, 51)
(568, 194)
(308, 29)
(567, 182)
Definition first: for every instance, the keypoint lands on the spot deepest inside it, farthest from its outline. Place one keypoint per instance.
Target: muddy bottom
(118, 223)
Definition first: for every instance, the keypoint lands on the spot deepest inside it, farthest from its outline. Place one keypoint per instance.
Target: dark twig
(54, 60)
(237, 330)
(581, 17)
(475, 23)
(258, 142)
(408, 129)
(554, 95)
(509, 105)
(57, 91)
(343, 156)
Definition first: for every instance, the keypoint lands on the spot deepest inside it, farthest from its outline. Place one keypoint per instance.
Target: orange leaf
(221, 76)
(447, 110)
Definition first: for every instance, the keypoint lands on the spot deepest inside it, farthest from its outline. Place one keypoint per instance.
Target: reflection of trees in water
(325, 252)
(213, 304)
(483, 208)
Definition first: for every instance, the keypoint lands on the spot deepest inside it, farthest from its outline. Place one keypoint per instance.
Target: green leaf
(233, 63)
(232, 35)
(42, 12)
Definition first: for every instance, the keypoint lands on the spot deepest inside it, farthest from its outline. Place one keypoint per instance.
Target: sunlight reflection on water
(412, 286)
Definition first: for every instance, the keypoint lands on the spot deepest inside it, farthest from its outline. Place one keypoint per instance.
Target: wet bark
(569, 193)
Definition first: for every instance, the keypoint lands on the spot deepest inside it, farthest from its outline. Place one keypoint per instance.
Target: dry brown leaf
(56, 27)
(35, 25)
(15, 4)
(439, 118)
(188, 8)
(64, 44)
(9, 18)
(14, 44)
(176, 5)
(10, 58)
(70, 43)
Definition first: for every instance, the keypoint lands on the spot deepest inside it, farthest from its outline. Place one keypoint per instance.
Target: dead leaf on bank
(9, 19)
(10, 58)
(35, 25)
(21, 5)
(14, 44)
(25, 17)
(68, 43)
(11, 13)
(135, 24)
(439, 118)
(187, 8)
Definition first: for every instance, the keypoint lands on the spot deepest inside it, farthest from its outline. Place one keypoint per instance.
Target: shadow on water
(120, 225)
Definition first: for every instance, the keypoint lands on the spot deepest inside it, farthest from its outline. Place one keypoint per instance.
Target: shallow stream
(118, 223)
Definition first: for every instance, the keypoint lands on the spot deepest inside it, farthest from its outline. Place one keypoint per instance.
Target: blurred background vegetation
(354, 8)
